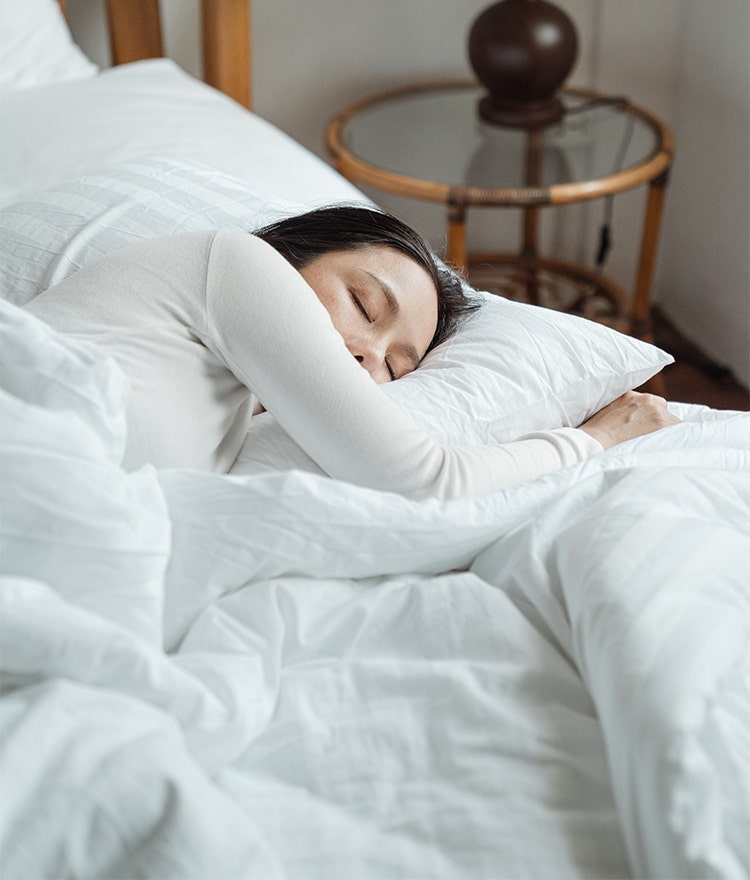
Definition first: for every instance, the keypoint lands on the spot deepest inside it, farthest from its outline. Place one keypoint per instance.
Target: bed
(272, 674)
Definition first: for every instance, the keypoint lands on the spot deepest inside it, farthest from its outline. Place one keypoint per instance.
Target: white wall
(685, 60)
(705, 271)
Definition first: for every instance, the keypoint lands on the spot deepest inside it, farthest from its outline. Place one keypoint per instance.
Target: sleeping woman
(304, 319)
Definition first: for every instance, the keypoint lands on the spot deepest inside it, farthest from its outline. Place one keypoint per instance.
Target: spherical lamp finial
(522, 51)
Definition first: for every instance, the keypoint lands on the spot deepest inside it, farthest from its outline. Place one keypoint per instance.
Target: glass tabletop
(435, 134)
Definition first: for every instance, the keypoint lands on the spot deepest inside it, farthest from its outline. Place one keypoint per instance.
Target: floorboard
(695, 378)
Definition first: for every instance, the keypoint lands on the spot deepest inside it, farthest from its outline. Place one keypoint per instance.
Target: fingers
(631, 415)
(644, 396)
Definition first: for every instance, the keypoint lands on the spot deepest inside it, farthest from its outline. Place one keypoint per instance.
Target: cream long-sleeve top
(210, 327)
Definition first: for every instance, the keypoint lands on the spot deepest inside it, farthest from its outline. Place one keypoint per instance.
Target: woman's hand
(631, 415)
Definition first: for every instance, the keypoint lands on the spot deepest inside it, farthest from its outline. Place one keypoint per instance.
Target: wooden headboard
(135, 33)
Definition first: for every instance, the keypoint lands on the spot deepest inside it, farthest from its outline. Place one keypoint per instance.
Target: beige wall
(686, 60)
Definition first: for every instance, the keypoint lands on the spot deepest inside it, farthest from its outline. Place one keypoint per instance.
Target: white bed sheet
(150, 108)
(546, 682)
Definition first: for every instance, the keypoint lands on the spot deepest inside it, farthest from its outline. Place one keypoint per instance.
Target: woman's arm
(267, 324)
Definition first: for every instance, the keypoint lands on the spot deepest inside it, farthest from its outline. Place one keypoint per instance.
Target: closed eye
(391, 372)
(360, 306)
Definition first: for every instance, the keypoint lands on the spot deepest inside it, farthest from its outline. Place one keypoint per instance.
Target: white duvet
(286, 676)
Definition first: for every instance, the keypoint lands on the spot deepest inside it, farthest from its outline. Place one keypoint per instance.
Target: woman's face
(382, 303)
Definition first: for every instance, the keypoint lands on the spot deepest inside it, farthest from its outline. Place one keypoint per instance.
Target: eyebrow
(390, 296)
(408, 351)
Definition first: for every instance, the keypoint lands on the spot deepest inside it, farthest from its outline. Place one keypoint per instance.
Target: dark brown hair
(303, 238)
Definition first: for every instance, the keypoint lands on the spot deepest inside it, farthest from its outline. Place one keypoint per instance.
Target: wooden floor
(694, 378)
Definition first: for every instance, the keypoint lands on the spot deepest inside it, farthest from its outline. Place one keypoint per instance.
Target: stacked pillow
(48, 236)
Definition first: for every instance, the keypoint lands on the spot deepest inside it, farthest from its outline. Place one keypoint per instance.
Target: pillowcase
(47, 237)
(36, 47)
(515, 368)
(510, 370)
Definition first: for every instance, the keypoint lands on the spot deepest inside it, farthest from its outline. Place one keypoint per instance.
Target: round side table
(428, 142)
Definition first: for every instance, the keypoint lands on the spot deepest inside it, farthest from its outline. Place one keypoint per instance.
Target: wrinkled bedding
(281, 675)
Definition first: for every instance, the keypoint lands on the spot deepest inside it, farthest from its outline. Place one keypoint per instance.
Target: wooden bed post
(226, 47)
(134, 30)
(135, 33)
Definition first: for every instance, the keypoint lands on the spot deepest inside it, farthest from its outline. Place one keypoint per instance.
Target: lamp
(522, 51)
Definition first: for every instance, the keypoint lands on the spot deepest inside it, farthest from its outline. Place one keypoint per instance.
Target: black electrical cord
(605, 231)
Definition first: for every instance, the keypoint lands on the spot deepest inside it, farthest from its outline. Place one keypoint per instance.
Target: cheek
(423, 330)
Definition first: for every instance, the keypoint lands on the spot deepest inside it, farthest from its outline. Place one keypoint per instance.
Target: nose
(370, 355)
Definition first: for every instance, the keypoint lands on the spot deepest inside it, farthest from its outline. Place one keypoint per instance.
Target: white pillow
(50, 235)
(515, 368)
(511, 369)
(147, 108)
(36, 47)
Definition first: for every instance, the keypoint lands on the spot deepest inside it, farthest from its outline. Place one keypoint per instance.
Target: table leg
(641, 317)
(456, 254)
(527, 258)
